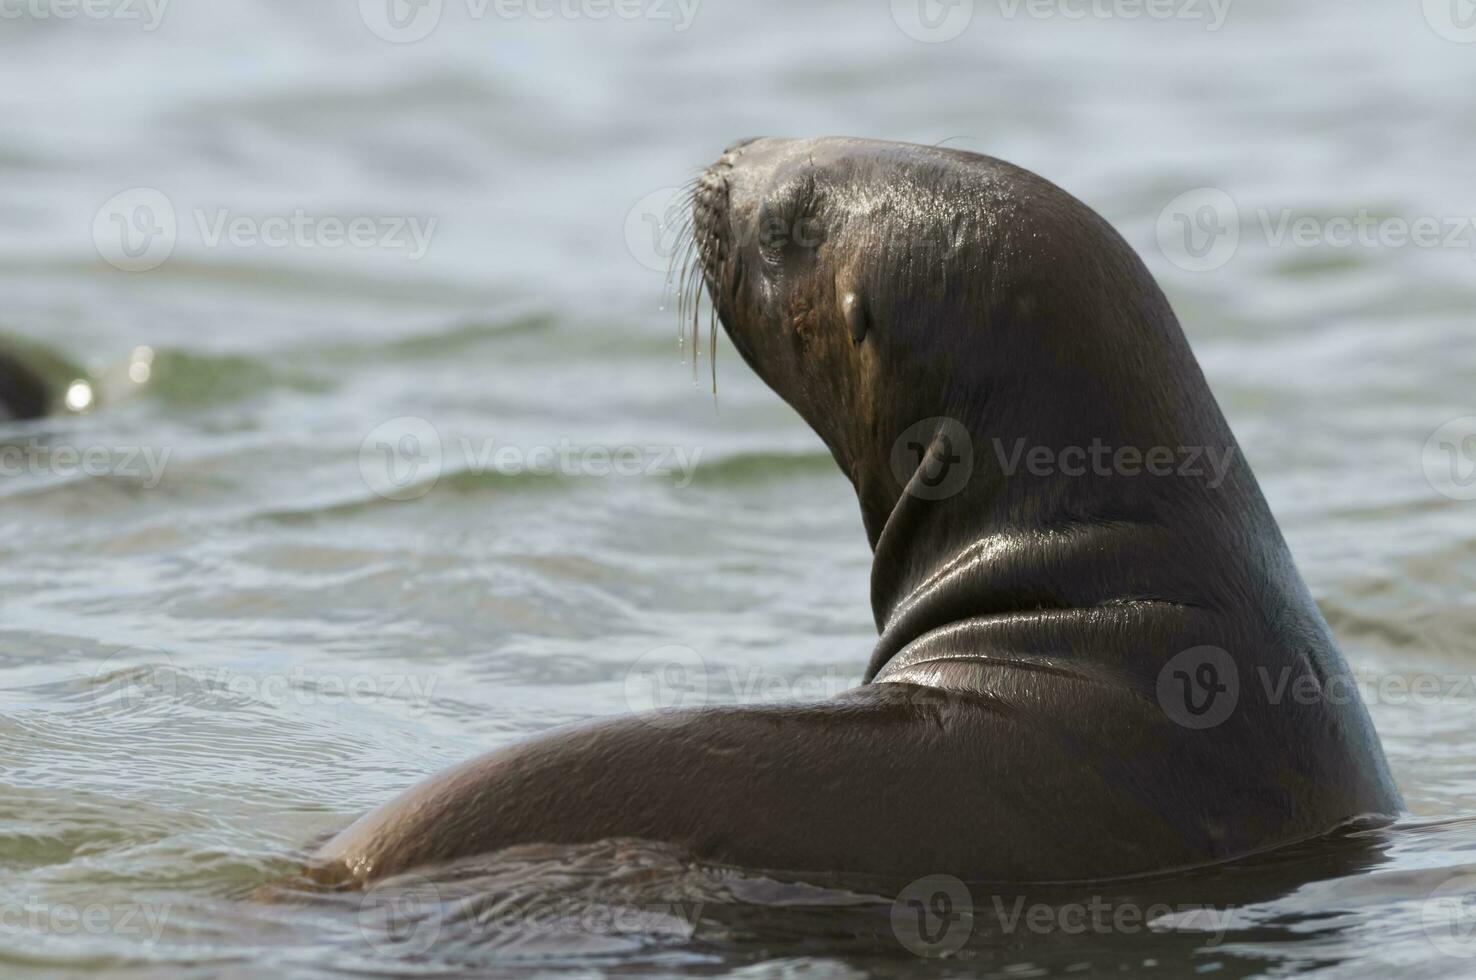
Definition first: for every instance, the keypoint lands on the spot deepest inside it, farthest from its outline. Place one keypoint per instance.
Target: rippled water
(220, 644)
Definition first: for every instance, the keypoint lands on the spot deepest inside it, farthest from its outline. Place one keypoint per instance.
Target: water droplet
(79, 396)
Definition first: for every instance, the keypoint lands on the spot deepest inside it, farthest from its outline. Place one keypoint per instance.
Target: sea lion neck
(1006, 387)
(1089, 482)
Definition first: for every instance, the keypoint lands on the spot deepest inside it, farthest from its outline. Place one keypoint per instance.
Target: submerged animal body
(23, 395)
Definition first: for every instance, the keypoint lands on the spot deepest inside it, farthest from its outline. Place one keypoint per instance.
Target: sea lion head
(878, 285)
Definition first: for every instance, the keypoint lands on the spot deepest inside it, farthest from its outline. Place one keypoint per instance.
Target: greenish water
(220, 643)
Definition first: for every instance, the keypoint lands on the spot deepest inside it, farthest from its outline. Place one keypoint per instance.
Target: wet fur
(1010, 728)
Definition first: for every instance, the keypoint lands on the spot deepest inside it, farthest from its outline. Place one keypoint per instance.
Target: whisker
(697, 269)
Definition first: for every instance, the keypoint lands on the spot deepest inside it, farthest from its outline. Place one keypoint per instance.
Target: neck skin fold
(1061, 520)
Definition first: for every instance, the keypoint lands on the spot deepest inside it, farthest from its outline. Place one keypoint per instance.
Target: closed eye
(790, 220)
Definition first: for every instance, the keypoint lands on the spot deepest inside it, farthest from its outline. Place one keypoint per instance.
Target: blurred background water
(250, 617)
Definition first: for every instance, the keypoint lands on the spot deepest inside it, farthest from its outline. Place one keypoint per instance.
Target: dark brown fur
(1012, 726)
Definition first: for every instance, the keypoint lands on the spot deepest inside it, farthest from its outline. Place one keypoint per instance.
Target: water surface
(224, 644)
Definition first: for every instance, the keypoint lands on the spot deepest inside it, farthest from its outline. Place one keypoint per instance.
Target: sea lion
(1088, 666)
(23, 395)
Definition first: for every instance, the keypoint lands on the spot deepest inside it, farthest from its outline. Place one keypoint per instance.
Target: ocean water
(344, 513)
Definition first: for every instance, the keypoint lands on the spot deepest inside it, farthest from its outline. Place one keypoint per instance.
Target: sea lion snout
(777, 254)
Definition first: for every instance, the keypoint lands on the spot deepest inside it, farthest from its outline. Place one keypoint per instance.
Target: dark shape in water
(23, 395)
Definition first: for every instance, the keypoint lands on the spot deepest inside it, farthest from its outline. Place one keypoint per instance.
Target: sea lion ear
(858, 317)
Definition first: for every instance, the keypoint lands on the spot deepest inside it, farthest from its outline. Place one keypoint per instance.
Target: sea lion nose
(737, 145)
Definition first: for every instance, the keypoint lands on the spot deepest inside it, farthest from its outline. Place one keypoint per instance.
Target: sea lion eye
(773, 236)
(789, 220)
